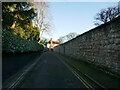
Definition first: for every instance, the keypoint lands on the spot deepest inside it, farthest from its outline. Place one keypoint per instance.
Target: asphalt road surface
(50, 72)
(13, 62)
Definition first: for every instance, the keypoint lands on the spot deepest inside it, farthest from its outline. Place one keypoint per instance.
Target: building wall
(100, 46)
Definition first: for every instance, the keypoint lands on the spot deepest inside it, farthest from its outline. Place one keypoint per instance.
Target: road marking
(87, 85)
(22, 75)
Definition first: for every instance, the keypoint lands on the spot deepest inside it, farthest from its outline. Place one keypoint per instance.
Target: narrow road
(50, 72)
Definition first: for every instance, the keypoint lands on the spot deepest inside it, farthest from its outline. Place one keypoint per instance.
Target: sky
(76, 17)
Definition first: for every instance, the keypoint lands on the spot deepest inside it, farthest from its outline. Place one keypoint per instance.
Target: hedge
(13, 43)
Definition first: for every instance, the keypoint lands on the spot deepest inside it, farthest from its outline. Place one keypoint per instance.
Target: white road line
(77, 75)
(19, 79)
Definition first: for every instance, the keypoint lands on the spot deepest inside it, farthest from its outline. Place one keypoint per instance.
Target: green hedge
(13, 43)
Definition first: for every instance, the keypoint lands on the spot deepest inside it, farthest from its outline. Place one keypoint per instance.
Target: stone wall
(101, 46)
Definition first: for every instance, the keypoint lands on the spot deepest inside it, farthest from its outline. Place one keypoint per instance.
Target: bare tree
(42, 20)
(61, 39)
(71, 36)
(106, 15)
(67, 37)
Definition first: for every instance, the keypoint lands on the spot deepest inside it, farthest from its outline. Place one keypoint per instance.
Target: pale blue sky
(74, 16)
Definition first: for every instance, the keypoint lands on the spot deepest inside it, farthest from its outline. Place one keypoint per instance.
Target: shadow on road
(13, 62)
